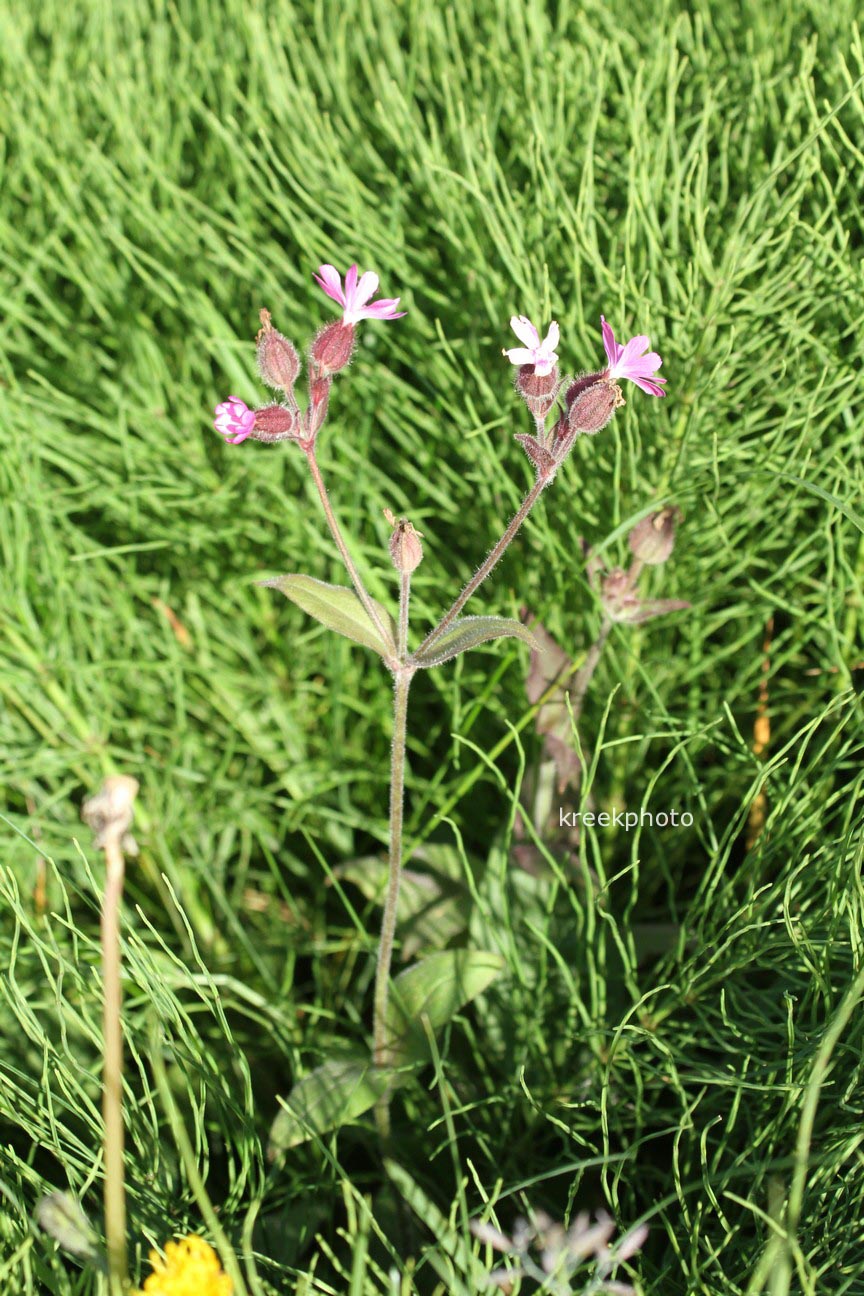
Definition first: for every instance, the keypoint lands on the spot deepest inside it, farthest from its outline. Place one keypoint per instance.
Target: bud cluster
(590, 401)
(651, 541)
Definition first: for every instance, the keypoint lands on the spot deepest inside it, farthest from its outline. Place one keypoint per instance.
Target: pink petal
(382, 309)
(651, 386)
(351, 286)
(613, 350)
(544, 365)
(520, 355)
(634, 348)
(551, 339)
(525, 331)
(366, 288)
(646, 363)
(330, 280)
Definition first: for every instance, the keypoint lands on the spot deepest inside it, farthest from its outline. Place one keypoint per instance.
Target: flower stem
(404, 601)
(486, 566)
(335, 531)
(586, 671)
(402, 684)
(112, 1084)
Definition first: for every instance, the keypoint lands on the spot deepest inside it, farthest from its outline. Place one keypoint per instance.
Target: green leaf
(332, 1095)
(435, 988)
(470, 632)
(434, 903)
(338, 608)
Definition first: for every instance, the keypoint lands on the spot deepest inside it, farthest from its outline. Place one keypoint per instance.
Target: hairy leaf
(338, 608)
(470, 632)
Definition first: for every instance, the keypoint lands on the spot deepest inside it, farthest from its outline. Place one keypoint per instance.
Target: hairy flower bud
(275, 423)
(405, 547)
(542, 459)
(319, 399)
(537, 390)
(590, 402)
(622, 603)
(332, 348)
(278, 361)
(653, 539)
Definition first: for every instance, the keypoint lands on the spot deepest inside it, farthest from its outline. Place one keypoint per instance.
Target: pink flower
(629, 361)
(355, 297)
(539, 354)
(234, 420)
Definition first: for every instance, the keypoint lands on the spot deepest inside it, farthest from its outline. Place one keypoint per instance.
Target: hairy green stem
(112, 1081)
(336, 533)
(402, 684)
(486, 566)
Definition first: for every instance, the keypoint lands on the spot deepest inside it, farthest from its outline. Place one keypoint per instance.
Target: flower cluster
(651, 542)
(279, 365)
(562, 1252)
(190, 1267)
(589, 401)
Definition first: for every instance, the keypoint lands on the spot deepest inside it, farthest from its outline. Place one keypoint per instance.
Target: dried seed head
(278, 361)
(62, 1217)
(332, 348)
(653, 539)
(109, 811)
(405, 547)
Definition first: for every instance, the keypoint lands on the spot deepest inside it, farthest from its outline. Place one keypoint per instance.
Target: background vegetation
(674, 1035)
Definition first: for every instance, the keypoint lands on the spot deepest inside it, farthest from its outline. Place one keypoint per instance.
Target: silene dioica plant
(562, 409)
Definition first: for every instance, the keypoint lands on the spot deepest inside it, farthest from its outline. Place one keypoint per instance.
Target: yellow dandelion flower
(190, 1267)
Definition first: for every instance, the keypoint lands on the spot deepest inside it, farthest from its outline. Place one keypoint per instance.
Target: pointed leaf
(470, 632)
(338, 608)
(435, 988)
(332, 1095)
(433, 906)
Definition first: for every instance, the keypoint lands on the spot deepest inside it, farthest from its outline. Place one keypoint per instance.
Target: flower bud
(620, 602)
(319, 399)
(541, 458)
(653, 539)
(405, 547)
(332, 347)
(278, 361)
(275, 423)
(538, 391)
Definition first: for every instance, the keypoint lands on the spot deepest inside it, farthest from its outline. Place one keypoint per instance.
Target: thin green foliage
(674, 1034)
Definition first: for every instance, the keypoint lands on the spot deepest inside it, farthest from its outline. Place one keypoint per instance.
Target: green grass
(673, 1036)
